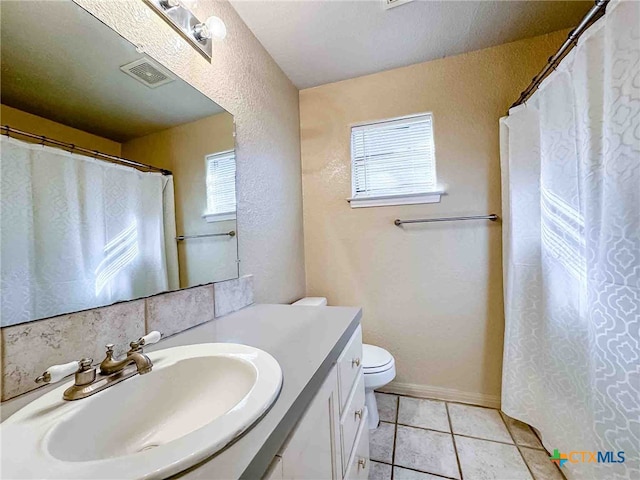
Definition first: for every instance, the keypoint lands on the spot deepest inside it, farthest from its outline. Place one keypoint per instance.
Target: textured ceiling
(322, 41)
(63, 64)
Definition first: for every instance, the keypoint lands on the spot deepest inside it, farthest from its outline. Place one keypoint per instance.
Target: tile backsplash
(176, 311)
(28, 349)
(233, 295)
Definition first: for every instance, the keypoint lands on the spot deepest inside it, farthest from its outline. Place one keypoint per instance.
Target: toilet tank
(311, 302)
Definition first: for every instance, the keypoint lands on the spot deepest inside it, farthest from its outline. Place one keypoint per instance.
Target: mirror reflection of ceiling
(85, 88)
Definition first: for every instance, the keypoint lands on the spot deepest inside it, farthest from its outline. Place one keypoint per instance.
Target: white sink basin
(196, 400)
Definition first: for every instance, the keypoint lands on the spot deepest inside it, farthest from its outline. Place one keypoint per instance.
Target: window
(221, 186)
(393, 162)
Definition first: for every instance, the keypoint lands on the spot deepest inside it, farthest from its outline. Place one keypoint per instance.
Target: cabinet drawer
(359, 462)
(351, 419)
(349, 366)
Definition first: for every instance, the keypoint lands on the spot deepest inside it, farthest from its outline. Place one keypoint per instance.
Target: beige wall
(243, 79)
(182, 150)
(42, 126)
(432, 294)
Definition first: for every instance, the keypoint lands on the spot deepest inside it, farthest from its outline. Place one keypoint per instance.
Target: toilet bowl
(378, 366)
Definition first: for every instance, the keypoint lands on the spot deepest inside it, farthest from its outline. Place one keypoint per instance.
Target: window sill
(391, 200)
(219, 217)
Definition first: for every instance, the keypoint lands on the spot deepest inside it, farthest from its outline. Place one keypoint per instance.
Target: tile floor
(421, 439)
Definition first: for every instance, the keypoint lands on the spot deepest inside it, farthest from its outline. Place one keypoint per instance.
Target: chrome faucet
(88, 381)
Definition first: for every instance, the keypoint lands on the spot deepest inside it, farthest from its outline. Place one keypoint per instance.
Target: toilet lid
(374, 357)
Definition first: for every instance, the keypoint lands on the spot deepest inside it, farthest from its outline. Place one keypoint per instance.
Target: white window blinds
(395, 157)
(221, 183)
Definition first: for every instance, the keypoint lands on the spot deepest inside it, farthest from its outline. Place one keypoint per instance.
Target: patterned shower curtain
(571, 207)
(78, 233)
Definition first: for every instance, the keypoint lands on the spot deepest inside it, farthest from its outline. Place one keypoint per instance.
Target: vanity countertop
(306, 341)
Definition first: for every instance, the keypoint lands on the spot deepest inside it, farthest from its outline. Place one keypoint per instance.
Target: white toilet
(378, 366)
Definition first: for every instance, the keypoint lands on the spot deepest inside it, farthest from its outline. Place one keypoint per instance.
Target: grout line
(395, 436)
(423, 428)
(465, 404)
(468, 404)
(535, 432)
(453, 437)
(526, 464)
(485, 439)
(458, 434)
(504, 419)
(520, 447)
(523, 447)
(422, 471)
(558, 468)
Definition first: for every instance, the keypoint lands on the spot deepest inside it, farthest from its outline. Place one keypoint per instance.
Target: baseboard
(439, 393)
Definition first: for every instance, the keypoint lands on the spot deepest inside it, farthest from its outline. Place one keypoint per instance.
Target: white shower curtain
(77, 233)
(571, 206)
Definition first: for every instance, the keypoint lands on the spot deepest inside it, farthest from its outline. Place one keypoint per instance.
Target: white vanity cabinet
(331, 440)
(310, 452)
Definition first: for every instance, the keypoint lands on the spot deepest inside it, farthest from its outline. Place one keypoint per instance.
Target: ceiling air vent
(394, 3)
(148, 73)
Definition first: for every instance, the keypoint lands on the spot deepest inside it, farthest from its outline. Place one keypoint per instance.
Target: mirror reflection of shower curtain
(571, 205)
(77, 233)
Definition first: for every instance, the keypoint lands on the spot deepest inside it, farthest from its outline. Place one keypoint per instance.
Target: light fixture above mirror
(198, 33)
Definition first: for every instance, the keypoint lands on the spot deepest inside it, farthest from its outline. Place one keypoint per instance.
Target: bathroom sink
(196, 400)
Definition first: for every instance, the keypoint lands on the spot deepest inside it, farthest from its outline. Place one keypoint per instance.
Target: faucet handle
(55, 373)
(149, 339)
(109, 351)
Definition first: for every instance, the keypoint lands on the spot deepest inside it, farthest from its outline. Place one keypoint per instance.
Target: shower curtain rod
(592, 15)
(7, 130)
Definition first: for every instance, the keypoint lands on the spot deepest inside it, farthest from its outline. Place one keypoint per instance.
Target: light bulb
(168, 4)
(201, 32)
(216, 27)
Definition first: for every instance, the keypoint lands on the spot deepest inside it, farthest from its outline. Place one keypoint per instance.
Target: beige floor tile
(423, 413)
(400, 473)
(478, 422)
(387, 406)
(427, 451)
(483, 460)
(379, 471)
(540, 465)
(381, 442)
(522, 433)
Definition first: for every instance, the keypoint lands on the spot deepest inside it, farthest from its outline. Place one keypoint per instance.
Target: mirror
(118, 177)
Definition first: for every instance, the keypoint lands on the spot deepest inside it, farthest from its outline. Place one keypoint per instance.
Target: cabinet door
(311, 451)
